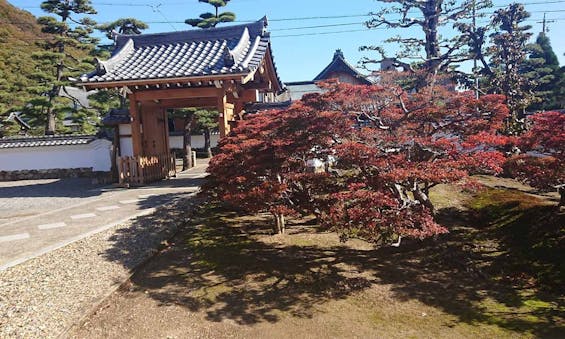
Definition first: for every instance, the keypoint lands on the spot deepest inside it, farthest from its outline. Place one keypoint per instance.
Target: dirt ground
(225, 276)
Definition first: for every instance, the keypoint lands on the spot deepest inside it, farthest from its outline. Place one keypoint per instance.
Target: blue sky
(301, 53)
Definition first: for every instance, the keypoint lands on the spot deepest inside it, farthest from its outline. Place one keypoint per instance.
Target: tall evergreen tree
(508, 56)
(129, 26)
(65, 55)
(560, 88)
(543, 70)
(208, 19)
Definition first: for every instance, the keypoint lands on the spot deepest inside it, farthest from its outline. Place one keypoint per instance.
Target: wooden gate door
(155, 129)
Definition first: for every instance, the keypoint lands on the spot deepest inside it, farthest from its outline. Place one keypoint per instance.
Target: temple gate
(222, 68)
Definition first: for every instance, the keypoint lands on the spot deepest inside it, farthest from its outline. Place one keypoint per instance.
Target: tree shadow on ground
(501, 264)
(477, 277)
(230, 275)
(217, 265)
(147, 234)
(66, 188)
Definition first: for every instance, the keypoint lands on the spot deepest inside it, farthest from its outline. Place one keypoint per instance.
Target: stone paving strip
(132, 201)
(83, 216)
(43, 297)
(52, 226)
(50, 212)
(108, 208)
(14, 237)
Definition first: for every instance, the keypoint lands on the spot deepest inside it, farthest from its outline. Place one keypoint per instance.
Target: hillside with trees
(19, 32)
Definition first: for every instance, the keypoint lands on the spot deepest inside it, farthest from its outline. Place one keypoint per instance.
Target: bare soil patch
(498, 273)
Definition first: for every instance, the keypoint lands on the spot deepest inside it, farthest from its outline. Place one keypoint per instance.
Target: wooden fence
(141, 170)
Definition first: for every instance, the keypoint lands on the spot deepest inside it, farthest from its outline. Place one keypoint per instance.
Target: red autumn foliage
(543, 163)
(383, 149)
(262, 165)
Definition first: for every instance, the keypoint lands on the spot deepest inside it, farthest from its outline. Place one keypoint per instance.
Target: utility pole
(544, 24)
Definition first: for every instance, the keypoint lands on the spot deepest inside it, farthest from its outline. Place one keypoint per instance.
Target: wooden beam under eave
(192, 102)
(177, 93)
(247, 78)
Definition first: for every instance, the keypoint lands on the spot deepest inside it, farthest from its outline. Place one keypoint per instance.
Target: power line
(169, 22)
(321, 33)
(305, 34)
(171, 4)
(317, 26)
(156, 9)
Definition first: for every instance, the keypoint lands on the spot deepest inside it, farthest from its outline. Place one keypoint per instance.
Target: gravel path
(43, 297)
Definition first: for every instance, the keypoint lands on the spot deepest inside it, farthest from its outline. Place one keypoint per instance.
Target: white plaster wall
(126, 147)
(101, 153)
(95, 155)
(175, 141)
(197, 141)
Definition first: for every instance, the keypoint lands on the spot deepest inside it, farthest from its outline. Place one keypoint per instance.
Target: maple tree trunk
(561, 191)
(279, 223)
(424, 200)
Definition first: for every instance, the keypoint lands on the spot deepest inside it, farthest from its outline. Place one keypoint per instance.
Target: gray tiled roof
(16, 116)
(78, 95)
(227, 50)
(49, 140)
(263, 106)
(339, 64)
(117, 117)
(296, 90)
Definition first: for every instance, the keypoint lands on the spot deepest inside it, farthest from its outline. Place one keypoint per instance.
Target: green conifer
(543, 70)
(209, 20)
(64, 55)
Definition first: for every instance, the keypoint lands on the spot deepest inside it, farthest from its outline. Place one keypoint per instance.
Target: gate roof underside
(233, 52)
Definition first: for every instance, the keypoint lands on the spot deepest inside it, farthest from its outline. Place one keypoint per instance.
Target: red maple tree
(542, 165)
(264, 165)
(382, 150)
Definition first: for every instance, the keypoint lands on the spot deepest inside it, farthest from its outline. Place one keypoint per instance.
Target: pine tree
(209, 20)
(560, 88)
(128, 26)
(545, 75)
(206, 121)
(508, 54)
(65, 55)
(187, 116)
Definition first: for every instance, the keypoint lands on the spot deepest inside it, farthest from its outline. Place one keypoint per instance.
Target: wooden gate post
(136, 139)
